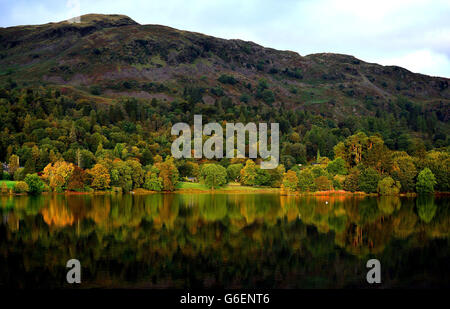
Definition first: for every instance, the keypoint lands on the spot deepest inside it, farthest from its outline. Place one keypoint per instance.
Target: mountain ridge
(119, 57)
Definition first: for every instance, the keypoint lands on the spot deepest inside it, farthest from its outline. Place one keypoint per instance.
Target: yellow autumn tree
(100, 177)
(290, 181)
(13, 164)
(57, 174)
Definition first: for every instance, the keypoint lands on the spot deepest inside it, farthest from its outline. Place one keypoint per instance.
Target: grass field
(9, 183)
(228, 187)
(191, 186)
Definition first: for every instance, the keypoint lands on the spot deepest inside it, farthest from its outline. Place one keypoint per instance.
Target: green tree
(213, 175)
(152, 181)
(368, 180)
(234, 171)
(317, 171)
(262, 177)
(388, 186)
(306, 180)
(425, 181)
(137, 173)
(439, 164)
(405, 171)
(351, 182)
(337, 167)
(288, 161)
(276, 176)
(35, 184)
(122, 175)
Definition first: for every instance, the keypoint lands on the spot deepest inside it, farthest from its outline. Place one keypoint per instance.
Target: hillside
(106, 58)
(104, 50)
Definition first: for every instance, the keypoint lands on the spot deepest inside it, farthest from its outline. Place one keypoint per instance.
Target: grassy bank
(232, 187)
(9, 183)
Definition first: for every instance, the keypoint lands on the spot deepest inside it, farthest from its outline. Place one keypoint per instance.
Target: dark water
(223, 240)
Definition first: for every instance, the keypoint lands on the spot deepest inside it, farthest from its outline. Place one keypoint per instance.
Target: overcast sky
(414, 34)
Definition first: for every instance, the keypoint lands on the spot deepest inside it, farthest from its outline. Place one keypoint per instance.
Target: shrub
(6, 176)
(218, 91)
(388, 186)
(20, 187)
(245, 98)
(227, 79)
(267, 96)
(95, 90)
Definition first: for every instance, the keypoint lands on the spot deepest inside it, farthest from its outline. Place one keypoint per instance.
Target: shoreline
(231, 191)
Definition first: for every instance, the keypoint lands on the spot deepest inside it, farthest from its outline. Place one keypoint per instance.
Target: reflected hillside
(223, 240)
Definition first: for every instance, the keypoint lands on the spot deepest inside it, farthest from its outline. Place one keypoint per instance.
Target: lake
(223, 240)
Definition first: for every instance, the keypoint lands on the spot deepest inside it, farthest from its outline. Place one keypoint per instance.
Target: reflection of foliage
(387, 204)
(212, 207)
(405, 221)
(183, 238)
(337, 223)
(368, 210)
(57, 213)
(426, 208)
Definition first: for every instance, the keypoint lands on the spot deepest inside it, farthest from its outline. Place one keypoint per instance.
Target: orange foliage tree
(100, 177)
(57, 174)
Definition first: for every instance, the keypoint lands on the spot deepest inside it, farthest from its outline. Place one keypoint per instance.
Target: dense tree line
(75, 144)
(364, 163)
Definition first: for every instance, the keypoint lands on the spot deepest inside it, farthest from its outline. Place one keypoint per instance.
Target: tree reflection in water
(223, 240)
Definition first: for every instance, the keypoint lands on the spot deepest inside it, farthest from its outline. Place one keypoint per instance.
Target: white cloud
(421, 61)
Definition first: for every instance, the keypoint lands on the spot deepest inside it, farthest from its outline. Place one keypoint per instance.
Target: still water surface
(223, 240)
